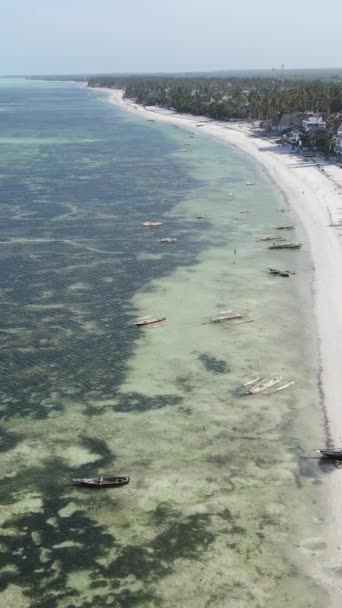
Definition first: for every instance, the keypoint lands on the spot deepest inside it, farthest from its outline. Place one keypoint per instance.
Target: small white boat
(151, 224)
(250, 183)
(168, 239)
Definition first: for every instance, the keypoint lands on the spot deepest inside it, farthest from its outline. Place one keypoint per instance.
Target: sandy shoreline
(309, 190)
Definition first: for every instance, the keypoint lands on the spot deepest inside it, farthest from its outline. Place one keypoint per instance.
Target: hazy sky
(68, 36)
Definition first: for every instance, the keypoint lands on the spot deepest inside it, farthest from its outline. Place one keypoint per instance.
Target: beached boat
(331, 453)
(285, 246)
(151, 224)
(290, 227)
(112, 481)
(168, 239)
(263, 385)
(144, 321)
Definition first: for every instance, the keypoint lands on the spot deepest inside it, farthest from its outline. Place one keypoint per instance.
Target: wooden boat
(201, 217)
(285, 246)
(168, 239)
(274, 272)
(229, 316)
(271, 237)
(151, 224)
(331, 453)
(112, 481)
(291, 227)
(263, 385)
(144, 321)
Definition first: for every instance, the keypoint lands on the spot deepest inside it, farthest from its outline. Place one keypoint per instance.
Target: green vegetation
(233, 98)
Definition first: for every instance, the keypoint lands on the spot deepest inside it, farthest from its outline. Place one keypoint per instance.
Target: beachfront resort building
(313, 121)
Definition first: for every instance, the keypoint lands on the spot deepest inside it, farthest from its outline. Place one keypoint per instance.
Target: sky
(110, 36)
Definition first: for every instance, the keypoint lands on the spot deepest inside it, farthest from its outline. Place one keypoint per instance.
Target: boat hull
(104, 482)
(150, 322)
(287, 246)
(331, 454)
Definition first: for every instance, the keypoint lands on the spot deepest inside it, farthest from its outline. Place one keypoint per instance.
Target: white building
(314, 121)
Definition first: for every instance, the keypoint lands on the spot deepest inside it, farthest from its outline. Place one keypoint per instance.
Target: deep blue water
(98, 177)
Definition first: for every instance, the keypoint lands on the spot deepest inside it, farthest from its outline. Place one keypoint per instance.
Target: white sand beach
(309, 189)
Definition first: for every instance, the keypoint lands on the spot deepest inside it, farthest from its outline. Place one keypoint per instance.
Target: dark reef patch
(184, 383)
(99, 446)
(8, 440)
(218, 366)
(181, 538)
(136, 402)
(23, 551)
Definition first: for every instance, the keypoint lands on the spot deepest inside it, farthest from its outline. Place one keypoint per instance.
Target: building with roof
(313, 121)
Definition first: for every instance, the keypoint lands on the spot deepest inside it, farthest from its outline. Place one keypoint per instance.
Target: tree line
(233, 98)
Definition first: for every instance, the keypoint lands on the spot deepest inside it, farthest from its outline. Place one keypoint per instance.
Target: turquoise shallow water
(220, 506)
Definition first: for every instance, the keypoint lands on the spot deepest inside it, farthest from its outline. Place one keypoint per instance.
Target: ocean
(225, 504)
